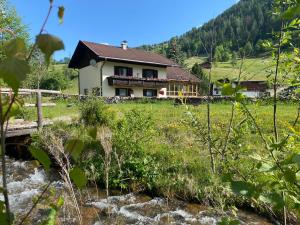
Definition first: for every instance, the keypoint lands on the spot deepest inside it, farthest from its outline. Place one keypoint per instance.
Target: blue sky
(111, 21)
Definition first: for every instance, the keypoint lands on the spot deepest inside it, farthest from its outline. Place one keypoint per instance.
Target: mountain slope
(247, 21)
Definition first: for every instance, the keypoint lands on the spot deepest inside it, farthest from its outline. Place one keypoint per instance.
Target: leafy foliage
(94, 112)
(49, 44)
(222, 54)
(14, 68)
(198, 71)
(11, 24)
(74, 147)
(42, 157)
(78, 177)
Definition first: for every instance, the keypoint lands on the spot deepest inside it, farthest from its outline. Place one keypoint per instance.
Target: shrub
(54, 80)
(94, 112)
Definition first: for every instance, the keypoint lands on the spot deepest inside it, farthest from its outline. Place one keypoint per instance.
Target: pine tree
(198, 71)
(174, 52)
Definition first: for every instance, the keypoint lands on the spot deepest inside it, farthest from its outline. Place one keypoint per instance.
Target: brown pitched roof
(179, 74)
(130, 54)
(85, 51)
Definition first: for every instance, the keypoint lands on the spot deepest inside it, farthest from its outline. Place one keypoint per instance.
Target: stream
(26, 181)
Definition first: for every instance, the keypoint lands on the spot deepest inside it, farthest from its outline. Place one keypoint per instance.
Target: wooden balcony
(136, 82)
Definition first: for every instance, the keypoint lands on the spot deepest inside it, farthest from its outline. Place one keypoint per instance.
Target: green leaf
(92, 132)
(227, 89)
(13, 110)
(13, 71)
(266, 167)
(3, 218)
(227, 177)
(2, 205)
(273, 198)
(291, 12)
(15, 48)
(61, 12)
(296, 159)
(289, 176)
(42, 157)
(3, 214)
(239, 97)
(49, 44)
(75, 147)
(256, 157)
(60, 202)
(78, 177)
(243, 188)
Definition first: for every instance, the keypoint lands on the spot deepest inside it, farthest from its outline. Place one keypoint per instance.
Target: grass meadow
(253, 69)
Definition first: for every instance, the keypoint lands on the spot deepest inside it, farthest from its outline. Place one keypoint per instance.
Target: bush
(94, 112)
(222, 54)
(54, 80)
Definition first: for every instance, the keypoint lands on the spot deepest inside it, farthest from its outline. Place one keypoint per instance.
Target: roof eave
(114, 59)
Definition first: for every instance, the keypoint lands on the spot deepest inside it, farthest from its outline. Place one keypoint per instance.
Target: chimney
(124, 45)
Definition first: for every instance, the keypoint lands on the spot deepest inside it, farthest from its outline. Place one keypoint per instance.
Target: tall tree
(11, 24)
(198, 71)
(174, 52)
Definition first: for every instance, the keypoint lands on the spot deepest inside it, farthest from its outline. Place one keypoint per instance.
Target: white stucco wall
(251, 94)
(89, 77)
(248, 94)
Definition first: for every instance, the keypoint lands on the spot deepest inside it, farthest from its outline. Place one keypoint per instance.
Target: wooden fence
(39, 104)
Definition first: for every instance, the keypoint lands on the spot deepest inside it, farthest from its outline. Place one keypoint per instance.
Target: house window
(86, 91)
(216, 91)
(149, 73)
(124, 92)
(174, 89)
(123, 71)
(150, 93)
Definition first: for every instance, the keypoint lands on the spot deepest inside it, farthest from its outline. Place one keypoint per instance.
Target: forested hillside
(247, 23)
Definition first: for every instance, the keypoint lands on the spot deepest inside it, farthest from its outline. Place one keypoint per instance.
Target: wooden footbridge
(19, 127)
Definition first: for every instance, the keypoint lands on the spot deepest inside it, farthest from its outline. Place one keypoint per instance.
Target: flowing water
(26, 181)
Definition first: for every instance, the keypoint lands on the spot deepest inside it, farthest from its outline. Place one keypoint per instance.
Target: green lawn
(165, 112)
(73, 87)
(62, 109)
(253, 69)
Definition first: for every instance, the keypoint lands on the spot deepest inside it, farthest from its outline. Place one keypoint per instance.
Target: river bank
(26, 181)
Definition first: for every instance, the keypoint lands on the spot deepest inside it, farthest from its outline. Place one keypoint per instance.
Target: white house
(251, 88)
(110, 71)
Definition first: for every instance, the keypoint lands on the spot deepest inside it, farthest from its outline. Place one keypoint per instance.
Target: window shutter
(117, 92)
(117, 71)
(154, 93)
(129, 72)
(145, 92)
(155, 74)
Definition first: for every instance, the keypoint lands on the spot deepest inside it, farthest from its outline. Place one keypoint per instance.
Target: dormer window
(123, 71)
(150, 73)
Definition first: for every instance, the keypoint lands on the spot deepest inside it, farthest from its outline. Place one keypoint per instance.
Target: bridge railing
(39, 104)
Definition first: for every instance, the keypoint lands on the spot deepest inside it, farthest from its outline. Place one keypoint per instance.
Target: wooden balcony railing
(136, 82)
